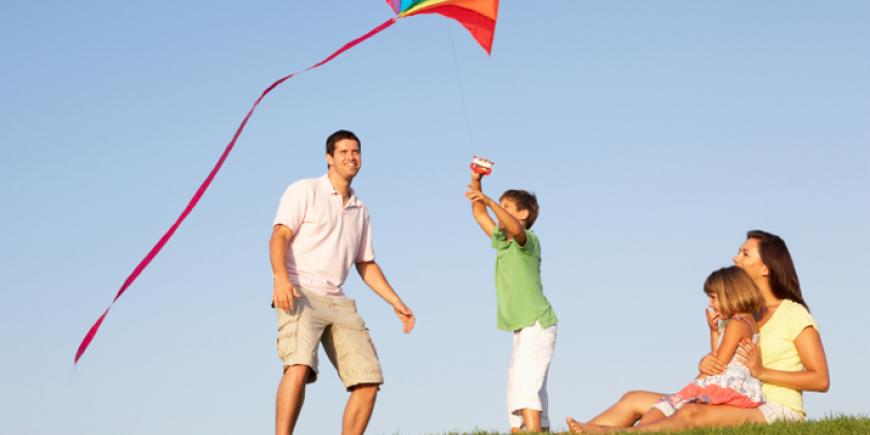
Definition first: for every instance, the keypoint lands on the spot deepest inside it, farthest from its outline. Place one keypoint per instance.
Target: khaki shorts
(335, 323)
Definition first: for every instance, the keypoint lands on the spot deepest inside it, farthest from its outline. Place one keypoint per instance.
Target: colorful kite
(478, 16)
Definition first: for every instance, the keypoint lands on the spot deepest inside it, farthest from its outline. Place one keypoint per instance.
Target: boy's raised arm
(512, 225)
(478, 205)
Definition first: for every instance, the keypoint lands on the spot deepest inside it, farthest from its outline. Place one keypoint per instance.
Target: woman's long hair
(783, 276)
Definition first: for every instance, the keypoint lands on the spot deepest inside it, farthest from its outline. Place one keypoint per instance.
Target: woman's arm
(815, 375)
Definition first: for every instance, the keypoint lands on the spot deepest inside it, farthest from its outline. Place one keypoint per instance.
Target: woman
(791, 359)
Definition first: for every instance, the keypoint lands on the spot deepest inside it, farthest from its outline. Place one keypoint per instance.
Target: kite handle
(481, 165)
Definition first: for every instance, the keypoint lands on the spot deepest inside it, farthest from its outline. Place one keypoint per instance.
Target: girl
(735, 301)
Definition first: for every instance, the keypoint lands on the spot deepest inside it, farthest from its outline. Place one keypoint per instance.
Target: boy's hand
(476, 196)
(475, 176)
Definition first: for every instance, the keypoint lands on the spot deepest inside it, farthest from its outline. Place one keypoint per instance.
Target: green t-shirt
(518, 289)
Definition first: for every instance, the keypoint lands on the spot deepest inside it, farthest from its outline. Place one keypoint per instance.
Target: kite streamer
(478, 16)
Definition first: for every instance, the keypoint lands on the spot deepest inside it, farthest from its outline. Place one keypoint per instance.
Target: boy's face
(511, 207)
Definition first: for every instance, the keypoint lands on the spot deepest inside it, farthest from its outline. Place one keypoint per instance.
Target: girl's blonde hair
(735, 290)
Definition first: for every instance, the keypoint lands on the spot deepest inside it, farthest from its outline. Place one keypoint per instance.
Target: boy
(522, 307)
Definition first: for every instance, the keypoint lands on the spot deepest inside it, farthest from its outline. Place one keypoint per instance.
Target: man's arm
(283, 290)
(374, 277)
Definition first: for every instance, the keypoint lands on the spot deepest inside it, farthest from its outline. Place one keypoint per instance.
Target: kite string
(205, 185)
(461, 90)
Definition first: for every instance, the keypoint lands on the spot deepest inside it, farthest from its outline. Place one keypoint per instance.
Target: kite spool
(481, 165)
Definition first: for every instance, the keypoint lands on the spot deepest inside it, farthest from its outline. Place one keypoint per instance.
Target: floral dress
(735, 387)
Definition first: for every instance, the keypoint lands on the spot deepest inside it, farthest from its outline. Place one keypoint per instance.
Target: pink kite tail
(205, 184)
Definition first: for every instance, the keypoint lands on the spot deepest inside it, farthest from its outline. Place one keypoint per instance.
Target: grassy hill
(844, 425)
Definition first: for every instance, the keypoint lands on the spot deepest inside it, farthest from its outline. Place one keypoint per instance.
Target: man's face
(345, 159)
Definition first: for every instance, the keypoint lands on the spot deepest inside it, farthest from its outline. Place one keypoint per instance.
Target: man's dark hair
(524, 200)
(337, 136)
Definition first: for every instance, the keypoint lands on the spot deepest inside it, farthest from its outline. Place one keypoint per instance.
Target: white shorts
(527, 377)
(774, 412)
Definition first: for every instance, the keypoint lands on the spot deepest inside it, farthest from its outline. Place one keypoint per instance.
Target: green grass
(843, 425)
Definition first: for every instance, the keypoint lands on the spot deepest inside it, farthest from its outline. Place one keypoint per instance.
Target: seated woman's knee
(632, 396)
(694, 413)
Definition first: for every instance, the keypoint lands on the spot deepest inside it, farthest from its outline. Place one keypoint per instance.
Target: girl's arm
(815, 375)
(710, 364)
(735, 331)
(713, 317)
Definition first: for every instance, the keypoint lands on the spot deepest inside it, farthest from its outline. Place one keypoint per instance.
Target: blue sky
(654, 133)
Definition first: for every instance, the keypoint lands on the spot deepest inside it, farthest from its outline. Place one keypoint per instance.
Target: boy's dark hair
(337, 136)
(524, 201)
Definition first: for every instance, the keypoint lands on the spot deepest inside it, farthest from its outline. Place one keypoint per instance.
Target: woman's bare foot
(575, 426)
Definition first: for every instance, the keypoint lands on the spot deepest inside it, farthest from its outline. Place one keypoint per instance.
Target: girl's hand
(713, 318)
(750, 355)
(710, 365)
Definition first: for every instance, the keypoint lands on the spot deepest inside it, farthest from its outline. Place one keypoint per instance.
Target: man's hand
(284, 293)
(405, 315)
(710, 365)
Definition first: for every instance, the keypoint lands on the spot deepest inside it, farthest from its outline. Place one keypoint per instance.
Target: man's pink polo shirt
(328, 236)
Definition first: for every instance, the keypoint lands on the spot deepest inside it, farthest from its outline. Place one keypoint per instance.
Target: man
(321, 229)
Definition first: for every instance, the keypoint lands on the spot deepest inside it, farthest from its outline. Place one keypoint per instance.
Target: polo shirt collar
(326, 185)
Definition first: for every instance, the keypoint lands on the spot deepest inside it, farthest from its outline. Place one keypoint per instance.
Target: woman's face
(748, 258)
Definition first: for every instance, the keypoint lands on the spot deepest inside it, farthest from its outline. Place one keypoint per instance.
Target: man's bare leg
(288, 401)
(359, 409)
